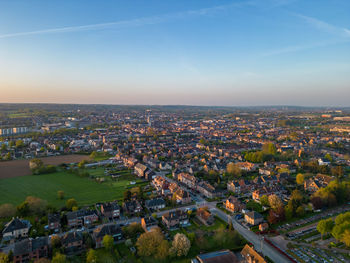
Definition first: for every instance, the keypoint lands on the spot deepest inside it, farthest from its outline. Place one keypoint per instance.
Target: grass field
(86, 191)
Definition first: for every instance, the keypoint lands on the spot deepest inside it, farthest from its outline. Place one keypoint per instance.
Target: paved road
(259, 244)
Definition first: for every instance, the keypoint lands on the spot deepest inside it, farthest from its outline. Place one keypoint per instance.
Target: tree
(316, 202)
(181, 245)
(346, 237)
(163, 250)
(264, 200)
(91, 256)
(23, 209)
(59, 258)
(325, 226)
(149, 242)
(300, 211)
(19, 144)
(3, 147)
(233, 169)
(4, 258)
(7, 210)
(300, 179)
(36, 205)
(43, 260)
(338, 230)
(127, 195)
(108, 242)
(269, 148)
(35, 164)
(71, 203)
(274, 201)
(55, 241)
(60, 194)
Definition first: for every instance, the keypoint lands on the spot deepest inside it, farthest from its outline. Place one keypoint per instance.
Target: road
(259, 244)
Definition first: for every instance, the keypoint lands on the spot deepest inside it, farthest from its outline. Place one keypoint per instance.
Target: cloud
(325, 27)
(343, 35)
(127, 23)
(296, 48)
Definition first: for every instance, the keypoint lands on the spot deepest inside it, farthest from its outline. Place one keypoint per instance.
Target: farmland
(21, 167)
(86, 191)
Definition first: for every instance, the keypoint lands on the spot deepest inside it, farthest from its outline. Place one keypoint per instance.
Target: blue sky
(258, 52)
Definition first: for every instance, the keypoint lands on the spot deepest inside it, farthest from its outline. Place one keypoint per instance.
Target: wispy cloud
(127, 23)
(342, 34)
(296, 48)
(326, 27)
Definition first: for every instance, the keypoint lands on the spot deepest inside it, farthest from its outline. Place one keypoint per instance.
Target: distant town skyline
(215, 53)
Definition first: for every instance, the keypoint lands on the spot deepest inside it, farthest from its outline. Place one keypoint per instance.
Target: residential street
(259, 244)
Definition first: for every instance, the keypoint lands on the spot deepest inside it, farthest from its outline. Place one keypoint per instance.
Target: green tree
(71, 203)
(300, 211)
(19, 144)
(300, 179)
(59, 258)
(269, 148)
(346, 237)
(264, 200)
(3, 147)
(325, 226)
(148, 243)
(4, 258)
(60, 194)
(108, 242)
(233, 170)
(91, 256)
(7, 210)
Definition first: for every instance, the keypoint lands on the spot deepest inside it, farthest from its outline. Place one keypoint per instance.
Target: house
(222, 256)
(164, 166)
(149, 223)
(312, 185)
(72, 242)
(108, 229)
(30, 249)
(54, 222)
(175, 219)
(81, 217)
(140, 169)
(205, 216)
(182, 196)
(110, 210)
(132, 207)
(234, 187)
(155, 204)
(263, 226)
(16, 228)
(232, 204)
(253, 218)
(187, 179)
(323, 161)
(208, 190)
(251, 256)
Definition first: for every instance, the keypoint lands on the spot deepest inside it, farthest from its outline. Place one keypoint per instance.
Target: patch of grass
(86, 191)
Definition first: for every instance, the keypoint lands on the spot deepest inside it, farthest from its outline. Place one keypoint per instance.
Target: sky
(183, 52)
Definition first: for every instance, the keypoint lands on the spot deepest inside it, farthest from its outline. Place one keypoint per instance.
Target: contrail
(124, 23)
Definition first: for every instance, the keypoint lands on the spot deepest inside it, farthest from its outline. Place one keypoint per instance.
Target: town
(90, 183)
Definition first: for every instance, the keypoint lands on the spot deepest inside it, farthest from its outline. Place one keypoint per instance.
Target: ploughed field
(86, 191)
(16, 168)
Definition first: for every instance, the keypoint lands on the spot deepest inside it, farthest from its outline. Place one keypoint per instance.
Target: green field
(86, 191)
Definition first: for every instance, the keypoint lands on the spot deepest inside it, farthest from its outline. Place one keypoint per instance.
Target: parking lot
(315, 255)
(314, 218)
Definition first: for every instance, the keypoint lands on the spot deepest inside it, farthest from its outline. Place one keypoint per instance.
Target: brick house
(232, 204)
(175, 219)
(108, 229)
(30, 249)
(110, 210)
(253, 218)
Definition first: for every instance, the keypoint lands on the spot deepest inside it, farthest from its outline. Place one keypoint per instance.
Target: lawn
(86, 191)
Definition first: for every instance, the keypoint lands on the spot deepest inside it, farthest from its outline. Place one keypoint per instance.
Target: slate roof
(14, 224)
